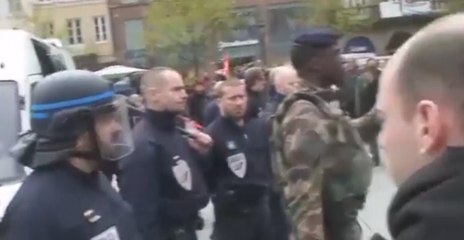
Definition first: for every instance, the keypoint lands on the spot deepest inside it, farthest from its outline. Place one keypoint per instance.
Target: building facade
(266, 34)
(84, 27)
(271, 25)
(395, 22)
(15, 14)
(128, 31)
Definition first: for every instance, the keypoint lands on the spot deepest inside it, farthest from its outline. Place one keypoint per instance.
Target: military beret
(323, 37)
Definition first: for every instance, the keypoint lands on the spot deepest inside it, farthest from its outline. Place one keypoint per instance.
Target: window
(128, 1)
(15, 6)
(134, 34)
(100, 28)
(74, 31)
(43, 1)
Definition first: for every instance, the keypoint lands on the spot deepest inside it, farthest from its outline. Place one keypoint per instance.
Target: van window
(49, 62)
(10, 126)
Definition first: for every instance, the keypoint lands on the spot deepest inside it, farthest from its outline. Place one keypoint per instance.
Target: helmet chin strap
(93, 155)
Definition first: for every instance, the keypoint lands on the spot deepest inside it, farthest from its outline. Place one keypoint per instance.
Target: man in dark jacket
(240, 176)
(163, 179)
(197, 102)
(420, 101)
(369, 91)
(255, 82)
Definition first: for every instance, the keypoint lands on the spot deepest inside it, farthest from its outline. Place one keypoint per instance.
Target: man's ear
(431, 128)
(82, 142)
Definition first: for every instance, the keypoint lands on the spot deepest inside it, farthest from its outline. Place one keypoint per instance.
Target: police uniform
(163, 180)
(240, 178)
(58, 200)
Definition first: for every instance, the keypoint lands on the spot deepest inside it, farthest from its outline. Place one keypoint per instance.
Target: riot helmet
(123, 87)
(67, 105)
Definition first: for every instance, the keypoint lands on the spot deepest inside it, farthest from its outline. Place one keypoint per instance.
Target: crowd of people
(280, 153)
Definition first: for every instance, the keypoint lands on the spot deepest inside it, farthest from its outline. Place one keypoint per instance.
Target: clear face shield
(113, 130)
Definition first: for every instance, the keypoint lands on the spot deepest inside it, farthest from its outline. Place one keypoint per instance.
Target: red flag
(226, 67)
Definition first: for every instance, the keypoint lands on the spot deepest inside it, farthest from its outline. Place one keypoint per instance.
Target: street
(373, 218)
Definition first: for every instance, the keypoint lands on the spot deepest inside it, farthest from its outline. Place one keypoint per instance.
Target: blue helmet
(60, 100)
(66, 104)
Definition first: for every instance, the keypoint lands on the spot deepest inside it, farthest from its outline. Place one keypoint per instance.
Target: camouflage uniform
(322, 166)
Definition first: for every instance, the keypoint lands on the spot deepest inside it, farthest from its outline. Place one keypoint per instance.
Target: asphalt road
(373, 218)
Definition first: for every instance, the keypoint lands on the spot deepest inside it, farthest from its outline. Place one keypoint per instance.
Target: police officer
(124, 89)
(77, 123)
(240, 176)
(163, 179)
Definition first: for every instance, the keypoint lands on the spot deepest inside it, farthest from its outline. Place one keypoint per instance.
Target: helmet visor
(113, 130)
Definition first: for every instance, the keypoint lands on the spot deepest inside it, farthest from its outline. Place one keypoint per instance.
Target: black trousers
(243, 224)
(281, 225)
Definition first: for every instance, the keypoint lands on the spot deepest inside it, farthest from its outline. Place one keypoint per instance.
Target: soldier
(321, 162)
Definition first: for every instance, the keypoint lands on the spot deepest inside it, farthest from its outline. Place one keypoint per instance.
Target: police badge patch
(231, 145)
(109, 234)
(237, 164)
(182, 173)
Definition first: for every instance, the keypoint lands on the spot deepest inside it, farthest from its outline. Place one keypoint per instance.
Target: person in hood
(197, 102)
(77, 125)
(421, 103)
(255, 81)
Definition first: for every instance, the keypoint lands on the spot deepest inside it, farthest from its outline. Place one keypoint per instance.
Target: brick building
(128, 28)
(271, 25)
(263, 33)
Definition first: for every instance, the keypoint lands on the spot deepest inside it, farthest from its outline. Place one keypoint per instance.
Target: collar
(75, 173)
(231, 123)
(162, 119)
(431, 184)
(309, 86)
(278, 97)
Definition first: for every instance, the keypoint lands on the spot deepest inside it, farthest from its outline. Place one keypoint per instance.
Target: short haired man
(421, 103)
(241, 174)
(163, 179)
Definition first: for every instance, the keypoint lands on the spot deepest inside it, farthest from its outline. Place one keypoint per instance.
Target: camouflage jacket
(313, 139)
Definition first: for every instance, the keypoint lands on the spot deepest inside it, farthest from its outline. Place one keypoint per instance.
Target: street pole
(263, 27)
(262, 43)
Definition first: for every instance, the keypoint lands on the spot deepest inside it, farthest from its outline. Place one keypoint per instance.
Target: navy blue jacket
(211, 112)
(61, 202)
(161, 202)
(230, 142)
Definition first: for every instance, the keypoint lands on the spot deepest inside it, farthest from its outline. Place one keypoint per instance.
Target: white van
(24, 60)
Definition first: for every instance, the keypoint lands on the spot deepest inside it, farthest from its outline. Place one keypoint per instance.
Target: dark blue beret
(319, 38)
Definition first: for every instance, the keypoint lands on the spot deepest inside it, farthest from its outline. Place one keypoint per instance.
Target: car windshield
(10, 126)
